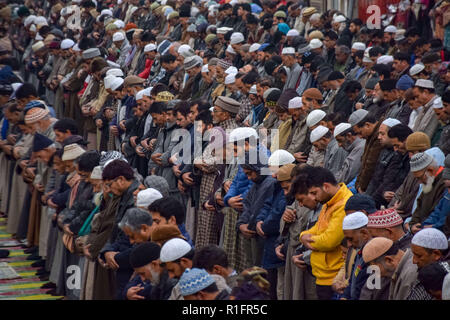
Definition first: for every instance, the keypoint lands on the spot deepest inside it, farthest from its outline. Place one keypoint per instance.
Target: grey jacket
(334, 156)
(293, 76)
(426, 120)
(403, 278)
(352, 162)
(164, 145)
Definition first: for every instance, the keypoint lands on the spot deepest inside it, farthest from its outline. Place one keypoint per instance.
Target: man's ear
(172, 220)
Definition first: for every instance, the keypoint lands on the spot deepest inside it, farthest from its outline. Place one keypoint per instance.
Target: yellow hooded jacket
(327, 233)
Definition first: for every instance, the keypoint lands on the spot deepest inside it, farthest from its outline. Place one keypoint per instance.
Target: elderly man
(429, 173)
(348, 140)
(405, 195)
(426, 120)
(427, 246)
(288, 56)
(366, 125)
(393, 263)
(388, 224)
(355, 230)
(122, 47)
(344, 61)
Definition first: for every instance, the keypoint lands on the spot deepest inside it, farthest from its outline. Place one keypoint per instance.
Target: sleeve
(271, 225)
(166, 155)
(333, 235)
(439, 215)
(369, 166)
(268, 205)
(244, 217)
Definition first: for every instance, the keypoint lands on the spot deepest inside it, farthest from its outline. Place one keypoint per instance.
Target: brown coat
(427, 201)
(369, 159)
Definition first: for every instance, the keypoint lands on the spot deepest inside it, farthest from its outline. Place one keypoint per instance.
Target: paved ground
(27, 287)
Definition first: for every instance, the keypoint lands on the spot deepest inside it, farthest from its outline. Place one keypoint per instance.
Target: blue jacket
(357, 279)
(265, 202)
(271, 228)
(241, 184)
(440, 212)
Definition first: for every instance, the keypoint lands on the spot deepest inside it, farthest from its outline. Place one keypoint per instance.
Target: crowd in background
(205, 150)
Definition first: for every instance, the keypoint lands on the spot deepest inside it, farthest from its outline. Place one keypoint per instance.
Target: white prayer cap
(236, 38)
(437, 103)
(223, 30)
(231, 78)
(231, 70)
(385, 59)
(288, 50)
(390, 29)
(430, 238)
(254, 47)
(355, 221)
(118, 36)
(76, 48)
(357, 116)
(139, 95)
(205, 68)
(150, 47)
(147, 197)
(339, 18)
(148, 91)
(367, 59)
(423, 83)
(116, 83)
(416, 69)
(280, 157)
(67, 44)
(315, 43)
(112, 64)
(230, 50)
(186, 51)
(115, 72)
(446, 288)
(340, 128)
(253, 89)
(295, 103)
(106, 12)
(108, 81)
(97, 173)
(29, 20)
(390, 122)
(40, 21)
(314, 117)
(242, 133)
(292, 33)
(318, 133)
(359, 46)
(174, 249)
(119, 23)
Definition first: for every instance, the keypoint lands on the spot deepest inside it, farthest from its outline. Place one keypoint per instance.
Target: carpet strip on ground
(28, 286)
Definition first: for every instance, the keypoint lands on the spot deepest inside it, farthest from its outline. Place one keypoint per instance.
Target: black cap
(144, 253)
(360, 202)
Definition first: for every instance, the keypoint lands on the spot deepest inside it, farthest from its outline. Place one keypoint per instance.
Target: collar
(338, 196)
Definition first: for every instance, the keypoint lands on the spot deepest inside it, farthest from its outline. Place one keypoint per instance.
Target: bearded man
(429, 173)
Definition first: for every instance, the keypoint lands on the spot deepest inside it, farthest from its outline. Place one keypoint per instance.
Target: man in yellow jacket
(325, 237)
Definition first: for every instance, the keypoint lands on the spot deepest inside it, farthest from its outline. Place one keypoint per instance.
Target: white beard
(155, 277)
(429, 185)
